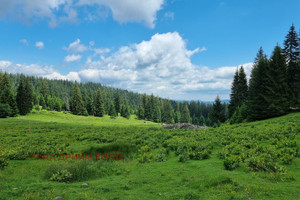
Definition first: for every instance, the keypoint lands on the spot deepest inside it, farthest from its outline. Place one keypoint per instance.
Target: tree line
(274, 86)
(19, 94)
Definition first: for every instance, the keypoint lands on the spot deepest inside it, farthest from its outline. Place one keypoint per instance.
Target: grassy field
(251, 161)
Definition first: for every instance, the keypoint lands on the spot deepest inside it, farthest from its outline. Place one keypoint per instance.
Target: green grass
(53, 132)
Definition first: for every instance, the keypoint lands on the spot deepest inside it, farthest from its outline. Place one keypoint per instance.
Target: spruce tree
(99, 104)
(44, 88)
(234, 97)
(242, 87)
(277, 86)
(217, 114)
(24, 96)
(117, 100)
(167, 114)
(112, 111)
(185, 116)
(7, 96)
(90, 105)
(140, 112)
(77, 107)
(292, 53)
(157, 114)
(257, 104)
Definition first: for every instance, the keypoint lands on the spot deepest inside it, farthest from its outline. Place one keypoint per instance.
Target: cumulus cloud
(161, 65)
(72, 58)
(59, 11)
(76, 46)
(39, 45)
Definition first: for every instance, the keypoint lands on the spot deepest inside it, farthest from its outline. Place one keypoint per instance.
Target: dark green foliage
(232, 162)
(5, 110)
(24, 96)
(140, 112)
(185, 116)
(90, 105)
(112, 111)
(125, 111)
(257, 103)
(44, 89)
(157, 114)
(117, 100)
(98, 104)
(276, 93)
(234, 100)
(77, 106)
(240, 114)
(217, 115)
(292, 53)
(167, 115)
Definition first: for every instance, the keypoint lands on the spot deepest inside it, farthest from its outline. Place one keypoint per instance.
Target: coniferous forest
(273, 90)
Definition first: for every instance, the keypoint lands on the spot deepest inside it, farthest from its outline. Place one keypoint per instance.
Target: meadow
(258, 160)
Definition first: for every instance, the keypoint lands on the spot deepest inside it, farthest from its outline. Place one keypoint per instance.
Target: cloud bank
(161, 65)
(60, 11)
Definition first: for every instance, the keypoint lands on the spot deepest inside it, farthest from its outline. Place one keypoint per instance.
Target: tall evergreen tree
(117, 100)
(257, 104)
(90, 105)
(217, 114)
(167, 114)
(292, 53)
(234, 97)
(112, 111)
(277, 86)
(7, 96)
(140, 112)
(77, 107)
(242, 87)
(44, 88)
(24, 96)
(125, 110)
(99, 104)
(185, 116)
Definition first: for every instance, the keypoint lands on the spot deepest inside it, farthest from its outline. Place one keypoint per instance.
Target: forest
(273, 90)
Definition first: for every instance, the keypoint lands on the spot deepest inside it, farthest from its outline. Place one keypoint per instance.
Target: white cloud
(76, 47)
(161, 65)
(25, 42)
(60, 11)
(39, 44)
(72, 58)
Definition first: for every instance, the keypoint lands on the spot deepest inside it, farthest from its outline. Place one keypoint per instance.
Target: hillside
(261, 158)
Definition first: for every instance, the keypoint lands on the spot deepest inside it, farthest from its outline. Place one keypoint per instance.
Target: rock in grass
(85, 185)
(58, 198)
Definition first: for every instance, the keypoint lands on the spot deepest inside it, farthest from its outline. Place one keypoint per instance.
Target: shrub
(232, 162)
(5, 110)
(161, 155)
(145, 155)
(61, 176)
(3, 161)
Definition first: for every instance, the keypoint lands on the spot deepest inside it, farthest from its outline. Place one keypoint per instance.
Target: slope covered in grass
(258, 160)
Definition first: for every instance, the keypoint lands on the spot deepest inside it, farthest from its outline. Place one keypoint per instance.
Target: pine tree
(157, 114)
(90, 105)
(167, 114)
(177, 115)
(125, 110)
(112, 111)
(234, 97)
(202, 120)
(7, 96)
(117, 100)
(257, 104)
(292, 53)
(277, 87)
(24, 96)
(77, 107)
(44, 89)
(217, 114)
(140, 112)
(99, 104)
(242, 87)
(185, 116)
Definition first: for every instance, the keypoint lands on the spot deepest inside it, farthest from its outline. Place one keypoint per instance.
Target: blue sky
(178, 49)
